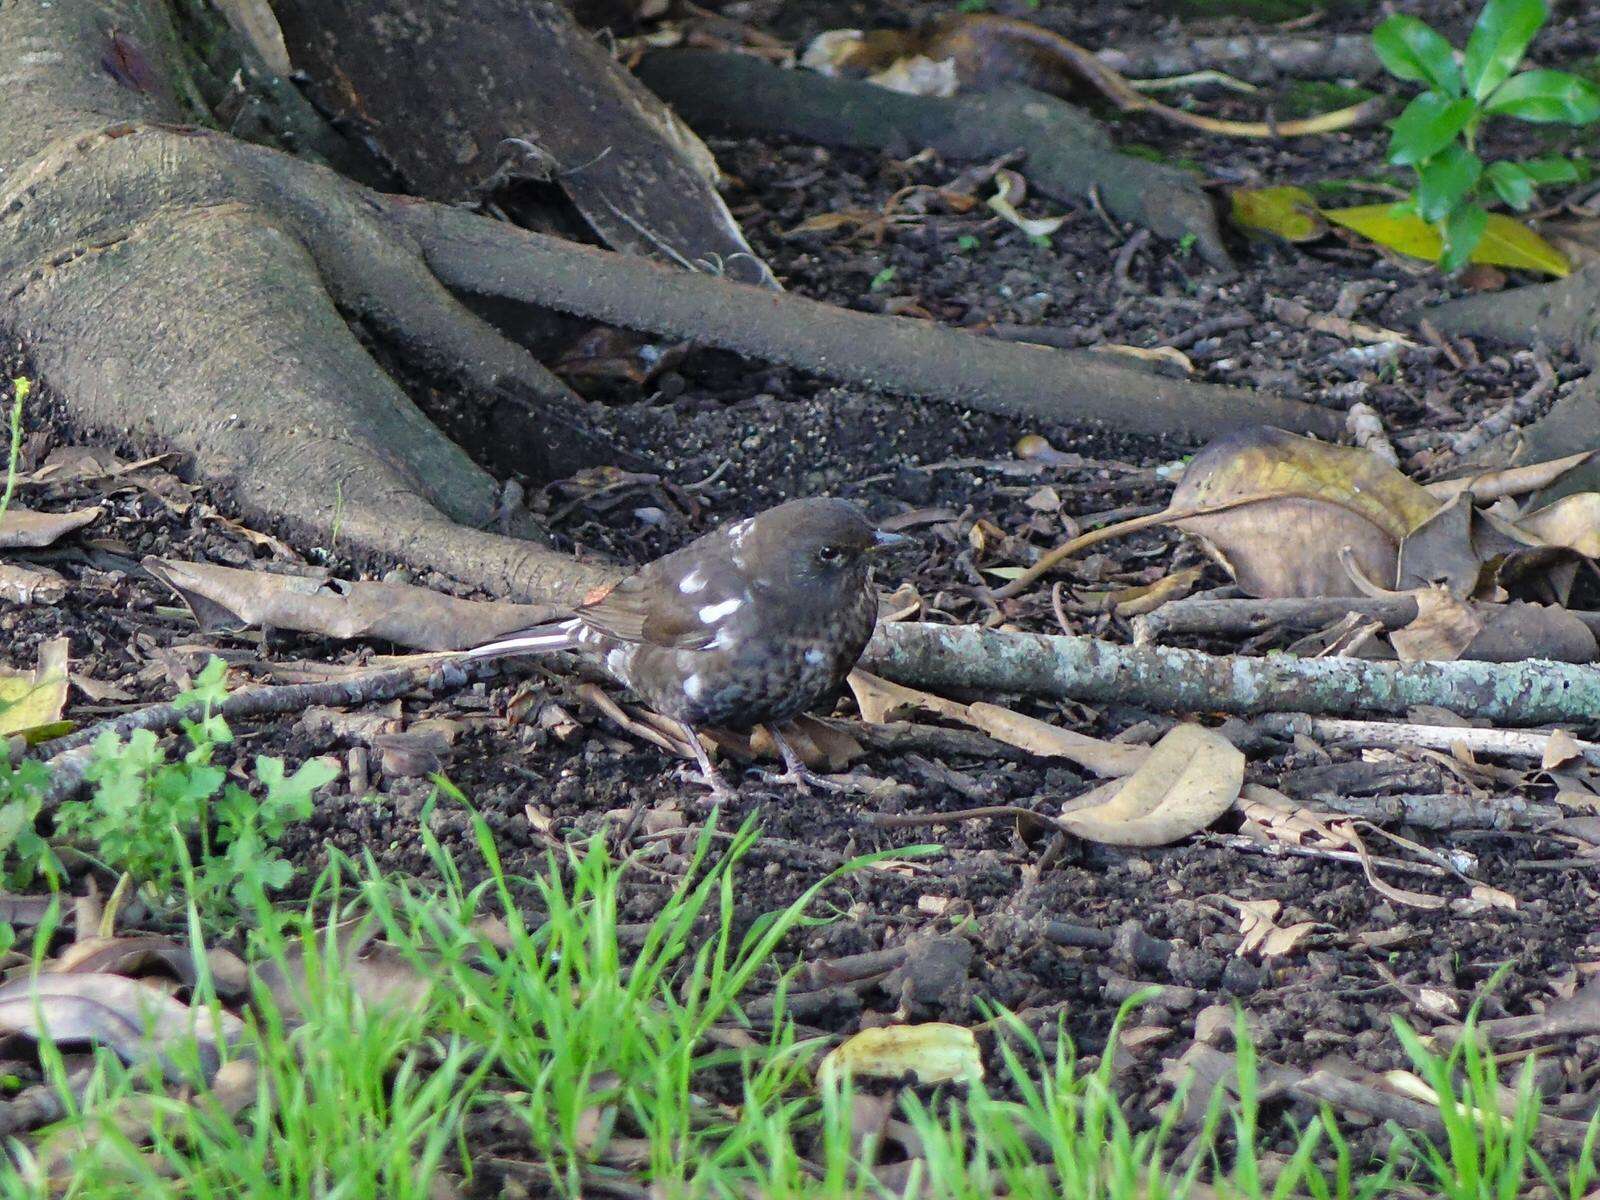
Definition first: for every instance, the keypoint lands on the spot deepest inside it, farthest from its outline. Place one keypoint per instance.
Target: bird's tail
(562, 635)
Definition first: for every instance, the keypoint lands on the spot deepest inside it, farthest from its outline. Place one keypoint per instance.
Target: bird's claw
(802, 779)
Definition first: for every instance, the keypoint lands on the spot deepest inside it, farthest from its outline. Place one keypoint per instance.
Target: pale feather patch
(693, 582)
(694, 687)
(712, 613)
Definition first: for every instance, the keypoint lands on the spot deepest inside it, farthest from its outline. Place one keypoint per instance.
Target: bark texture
(1565, 313)
(1069, 155)
(440, 84)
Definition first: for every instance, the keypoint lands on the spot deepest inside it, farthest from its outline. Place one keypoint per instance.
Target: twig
(1238, 841)
(1207, 615)
(947, 657)
(988, 812)
(1511, 414)
(1438, 810)
(1509, 743)
(71, 755)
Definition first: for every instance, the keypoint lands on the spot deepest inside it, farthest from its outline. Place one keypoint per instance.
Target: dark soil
(730, 437)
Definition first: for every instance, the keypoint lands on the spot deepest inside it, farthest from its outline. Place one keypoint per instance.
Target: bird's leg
(795, 771)
(708, 773)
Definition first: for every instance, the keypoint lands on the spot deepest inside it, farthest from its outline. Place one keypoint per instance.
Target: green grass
(597, 1065)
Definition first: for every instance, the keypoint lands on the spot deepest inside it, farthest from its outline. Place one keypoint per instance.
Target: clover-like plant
(1437, 134)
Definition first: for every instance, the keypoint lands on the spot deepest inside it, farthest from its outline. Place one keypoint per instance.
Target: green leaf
(1463, 230)
(1506, 242)
(1446, 180)
(1410, 49)
(1547, 97)
(1551, 170)
(1428, 124)
(1286, 212)
(1512, 184)
(1498, 42)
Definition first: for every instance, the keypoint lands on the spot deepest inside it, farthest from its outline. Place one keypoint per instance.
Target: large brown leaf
(224, 598)
(1288, 505)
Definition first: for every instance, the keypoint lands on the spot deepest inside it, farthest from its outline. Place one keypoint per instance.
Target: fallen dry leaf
(1191, 777)
(1573, 522)
(1262, 935)
(31, 703)
(880, 701)
(1298, 502)
(934, 1052)
(137, 1023)
(31, 585)
(1106, 759)
(225, 598)
(22, 529)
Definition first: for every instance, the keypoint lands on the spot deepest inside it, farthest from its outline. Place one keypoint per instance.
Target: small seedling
(882, 279)
(1437, 134)
(1186, 245)
(966, 243)
(144, 811)
(20, 388)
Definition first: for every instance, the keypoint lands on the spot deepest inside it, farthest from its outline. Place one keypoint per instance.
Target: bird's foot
(802, 778)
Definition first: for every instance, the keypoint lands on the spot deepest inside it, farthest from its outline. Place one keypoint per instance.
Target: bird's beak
(882, 539)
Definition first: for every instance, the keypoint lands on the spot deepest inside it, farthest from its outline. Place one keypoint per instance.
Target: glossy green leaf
(1411, 49)
(1498, 41)
(1286, 212)
(1428, 124)
(1552, 170)
(1512, 184)
(1446, 180)
(1463, 230)
(1547, 97)
(1505, 243)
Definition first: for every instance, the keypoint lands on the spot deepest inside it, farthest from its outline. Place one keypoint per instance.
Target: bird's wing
(675, 603)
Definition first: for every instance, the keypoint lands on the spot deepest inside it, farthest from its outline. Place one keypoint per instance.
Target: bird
(750, 624)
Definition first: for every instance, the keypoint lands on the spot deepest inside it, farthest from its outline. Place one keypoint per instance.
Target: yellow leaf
(31, 702)
(1286, 212)
(933, 1053)
(1506, 243)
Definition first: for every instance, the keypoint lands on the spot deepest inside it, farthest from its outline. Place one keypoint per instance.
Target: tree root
(942, 657)
(1069, 156)
(499, 70)
(178, 287)
(895, 354)
(1565, 312)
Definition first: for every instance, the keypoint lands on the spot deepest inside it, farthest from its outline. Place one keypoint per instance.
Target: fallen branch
(1203, 616)
(896, 354)
(970, 659)
(1438, 810)
(1507, 743)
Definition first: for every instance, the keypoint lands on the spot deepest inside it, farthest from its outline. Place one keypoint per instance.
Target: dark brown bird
(751, 624)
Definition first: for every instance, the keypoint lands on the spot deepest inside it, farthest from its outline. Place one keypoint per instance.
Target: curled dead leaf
(1191, 777)
(1295, 503)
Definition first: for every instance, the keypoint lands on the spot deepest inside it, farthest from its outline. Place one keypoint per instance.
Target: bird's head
(822, 545)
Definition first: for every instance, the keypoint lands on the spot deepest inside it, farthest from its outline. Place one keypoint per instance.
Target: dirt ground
(728, 437)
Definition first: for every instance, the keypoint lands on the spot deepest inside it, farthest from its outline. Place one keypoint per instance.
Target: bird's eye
(829, 555)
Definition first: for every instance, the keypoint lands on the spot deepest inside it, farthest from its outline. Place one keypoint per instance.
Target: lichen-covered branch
(968, 658)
